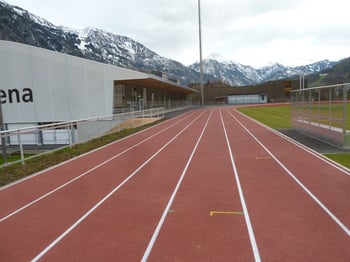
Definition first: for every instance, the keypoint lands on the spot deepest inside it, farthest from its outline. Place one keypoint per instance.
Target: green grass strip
(11, 173)
(14, 158)
(278, 117)
(341, 158)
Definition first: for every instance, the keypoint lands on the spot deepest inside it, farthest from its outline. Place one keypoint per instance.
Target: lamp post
(200, 54)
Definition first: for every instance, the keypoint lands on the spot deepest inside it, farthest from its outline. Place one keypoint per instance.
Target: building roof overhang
(152, 81)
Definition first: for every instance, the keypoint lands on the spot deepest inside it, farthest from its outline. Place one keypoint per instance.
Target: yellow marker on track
(225, 213)
(263, 157)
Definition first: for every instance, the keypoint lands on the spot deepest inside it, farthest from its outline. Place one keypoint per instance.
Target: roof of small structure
(153, 81)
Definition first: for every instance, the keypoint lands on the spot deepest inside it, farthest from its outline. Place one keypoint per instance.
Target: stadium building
(39, 86)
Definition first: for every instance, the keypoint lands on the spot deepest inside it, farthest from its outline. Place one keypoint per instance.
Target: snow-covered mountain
(120, 50)
(18, 25)
(235, 73)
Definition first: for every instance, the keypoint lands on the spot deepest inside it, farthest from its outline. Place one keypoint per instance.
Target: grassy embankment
(17, 171)
(278, 117)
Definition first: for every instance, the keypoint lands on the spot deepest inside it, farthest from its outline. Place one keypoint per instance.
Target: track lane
(126, 219)
(289, 225)
(53, 179)
(39, 224)
(195, 230)
(328, 184)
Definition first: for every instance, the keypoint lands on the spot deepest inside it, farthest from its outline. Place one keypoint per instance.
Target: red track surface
(209, 185)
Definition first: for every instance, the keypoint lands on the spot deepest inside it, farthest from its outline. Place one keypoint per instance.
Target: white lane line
(343, 169)
(335, 218)
(85, 154)
(171, 200)
(86, 173)
(328, 161)
(241, 196)
(82, 218)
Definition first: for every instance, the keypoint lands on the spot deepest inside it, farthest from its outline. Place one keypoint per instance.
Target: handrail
(67, 123)
(70, 125)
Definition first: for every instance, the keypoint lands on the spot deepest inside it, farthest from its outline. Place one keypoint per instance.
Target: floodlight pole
(200, 54)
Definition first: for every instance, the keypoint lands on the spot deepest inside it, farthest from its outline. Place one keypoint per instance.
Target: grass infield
(278, 117)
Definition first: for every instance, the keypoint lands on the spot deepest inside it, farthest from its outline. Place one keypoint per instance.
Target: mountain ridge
(19, 25)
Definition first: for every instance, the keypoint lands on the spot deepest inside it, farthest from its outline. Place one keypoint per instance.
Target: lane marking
(82, 218)
(343, 169)
(87, 172)
(42, 172)
(212, 213)
(263, 157)
(319, 202)
(241, 196)
(171, 200)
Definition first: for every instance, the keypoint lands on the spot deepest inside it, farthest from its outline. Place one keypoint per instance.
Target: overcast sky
(251, 32)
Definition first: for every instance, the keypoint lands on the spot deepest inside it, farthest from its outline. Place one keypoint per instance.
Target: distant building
(269, 92)
(247, 99)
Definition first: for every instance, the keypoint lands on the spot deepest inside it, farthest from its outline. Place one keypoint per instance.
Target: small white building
(247, 99)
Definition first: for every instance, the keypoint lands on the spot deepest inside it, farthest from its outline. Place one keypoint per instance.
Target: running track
(208, 185)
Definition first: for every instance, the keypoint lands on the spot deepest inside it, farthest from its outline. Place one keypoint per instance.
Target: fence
(48, 137)
(323, 112)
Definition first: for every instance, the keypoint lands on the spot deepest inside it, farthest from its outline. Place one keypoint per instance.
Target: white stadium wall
(247, 99)
(38, 85)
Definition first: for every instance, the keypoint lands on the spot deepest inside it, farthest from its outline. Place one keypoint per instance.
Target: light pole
(200, 54)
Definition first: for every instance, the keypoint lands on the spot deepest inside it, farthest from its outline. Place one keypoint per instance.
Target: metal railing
(323, 112)
(42, 138)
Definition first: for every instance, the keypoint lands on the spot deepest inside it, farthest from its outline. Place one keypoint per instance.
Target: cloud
(253, 32)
